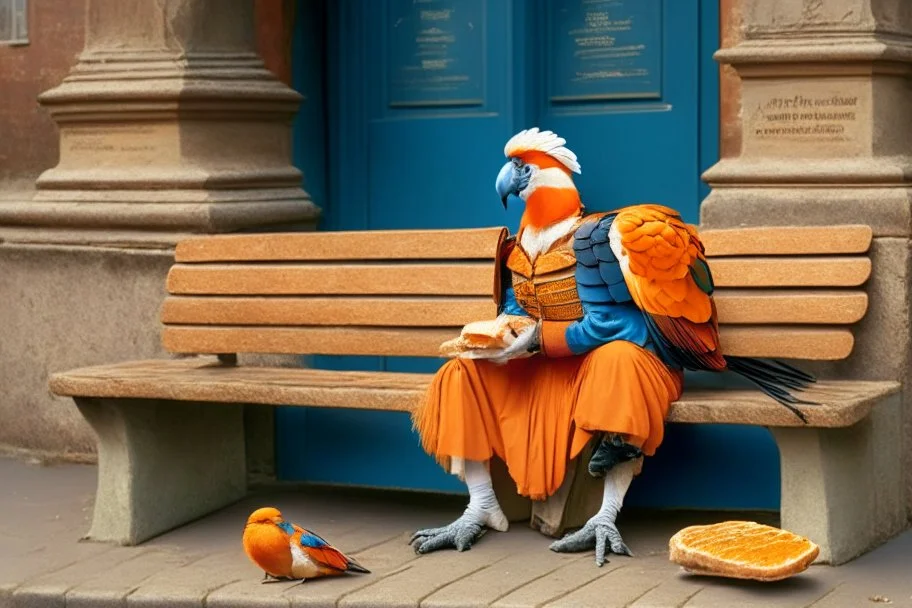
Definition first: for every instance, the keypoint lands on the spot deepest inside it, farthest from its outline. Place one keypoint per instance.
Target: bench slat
(473, 278)
(790, 272)
(790, 342)
(782, 306)
(201, 379)
(406, 342)
(735, 306)
(414, 311)
(787, 342)
(787, 240)
(480, 243)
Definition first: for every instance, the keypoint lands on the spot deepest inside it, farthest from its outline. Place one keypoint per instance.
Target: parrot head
(266, 515)
(539, 170)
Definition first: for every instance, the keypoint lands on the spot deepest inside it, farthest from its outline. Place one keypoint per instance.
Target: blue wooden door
(420, 97)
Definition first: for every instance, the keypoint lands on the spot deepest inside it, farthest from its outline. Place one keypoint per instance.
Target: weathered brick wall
(28, 138)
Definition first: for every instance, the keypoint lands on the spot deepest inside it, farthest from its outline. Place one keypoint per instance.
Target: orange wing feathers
(665, 271)
(661, 257)
(321, 552)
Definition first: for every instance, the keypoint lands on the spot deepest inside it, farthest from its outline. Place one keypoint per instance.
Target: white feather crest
(542, 141)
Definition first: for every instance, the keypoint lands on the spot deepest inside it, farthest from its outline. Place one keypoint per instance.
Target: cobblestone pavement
(45, 510)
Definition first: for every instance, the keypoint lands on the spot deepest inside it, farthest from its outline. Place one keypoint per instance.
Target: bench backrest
(352, 293)
(790, 292)
(781, 292)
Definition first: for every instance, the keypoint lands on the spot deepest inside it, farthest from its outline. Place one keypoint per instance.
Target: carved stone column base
(169, 123)
(188, 217)
(825, 130)
(887, 209)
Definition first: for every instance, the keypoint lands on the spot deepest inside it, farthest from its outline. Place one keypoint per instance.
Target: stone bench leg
(843, 487)
(162, 464)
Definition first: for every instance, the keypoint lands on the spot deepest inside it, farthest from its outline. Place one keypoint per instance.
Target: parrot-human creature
(645, 254)
(286, 551)
(623, 304)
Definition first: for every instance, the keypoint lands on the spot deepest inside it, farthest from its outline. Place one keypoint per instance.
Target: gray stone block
(162, 464)
(842, 487)
(68, 307)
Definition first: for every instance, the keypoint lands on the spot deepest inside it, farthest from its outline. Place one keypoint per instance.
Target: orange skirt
(538, 413)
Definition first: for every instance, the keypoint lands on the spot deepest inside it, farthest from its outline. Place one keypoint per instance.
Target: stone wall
(84, 255)
(66, 307)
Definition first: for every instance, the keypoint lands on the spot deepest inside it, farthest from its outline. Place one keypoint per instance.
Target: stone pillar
(826, 138)
(169, 125)
(824, 110)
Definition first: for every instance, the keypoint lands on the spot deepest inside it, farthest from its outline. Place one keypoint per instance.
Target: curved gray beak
(506, 183)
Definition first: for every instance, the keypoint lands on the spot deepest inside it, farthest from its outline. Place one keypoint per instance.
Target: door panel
(414, 137)
(621, 86)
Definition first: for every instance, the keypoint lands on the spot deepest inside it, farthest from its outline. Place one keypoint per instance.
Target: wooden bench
(171, 436)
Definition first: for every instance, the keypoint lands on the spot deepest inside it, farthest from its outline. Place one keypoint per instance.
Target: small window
(13, 22)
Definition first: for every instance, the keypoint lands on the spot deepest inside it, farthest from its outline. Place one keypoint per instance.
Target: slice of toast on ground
(742, 549)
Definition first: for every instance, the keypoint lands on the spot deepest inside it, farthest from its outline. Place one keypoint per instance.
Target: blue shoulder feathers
(309, 539)
(286, 527)
(599, 279)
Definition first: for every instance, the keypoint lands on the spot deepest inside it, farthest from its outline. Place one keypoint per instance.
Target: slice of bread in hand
(497, 333)
(742, 549)
(493, 334)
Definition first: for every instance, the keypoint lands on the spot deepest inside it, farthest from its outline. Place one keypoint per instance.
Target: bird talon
(459, 535)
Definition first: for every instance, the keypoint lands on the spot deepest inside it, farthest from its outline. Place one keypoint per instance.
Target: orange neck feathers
(548, 205)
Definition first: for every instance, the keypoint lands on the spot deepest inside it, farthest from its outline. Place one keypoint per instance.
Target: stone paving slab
(112, 587)
(50, 589)
(676, 591)
(621, 587)
(500, 579)
(43, 563)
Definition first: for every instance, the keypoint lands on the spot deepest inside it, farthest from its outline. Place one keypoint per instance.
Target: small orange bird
(286, 551)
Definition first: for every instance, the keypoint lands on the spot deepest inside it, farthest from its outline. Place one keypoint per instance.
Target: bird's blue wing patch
(287, 528)
(584, 254)
(585, 231)
(620, 293)
(588, 275)
(309, 539)
(599, 277)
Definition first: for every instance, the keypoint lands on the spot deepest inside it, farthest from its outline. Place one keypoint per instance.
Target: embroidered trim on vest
(546, 289)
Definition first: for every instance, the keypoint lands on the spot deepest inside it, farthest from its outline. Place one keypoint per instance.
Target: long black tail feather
(775, 378)
(354, 566)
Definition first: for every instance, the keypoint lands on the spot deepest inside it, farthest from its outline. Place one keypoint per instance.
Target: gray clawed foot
(459, 535)
(599, 532)
(611, 451)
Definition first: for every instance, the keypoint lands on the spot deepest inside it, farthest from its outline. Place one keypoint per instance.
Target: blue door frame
(699, 466)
